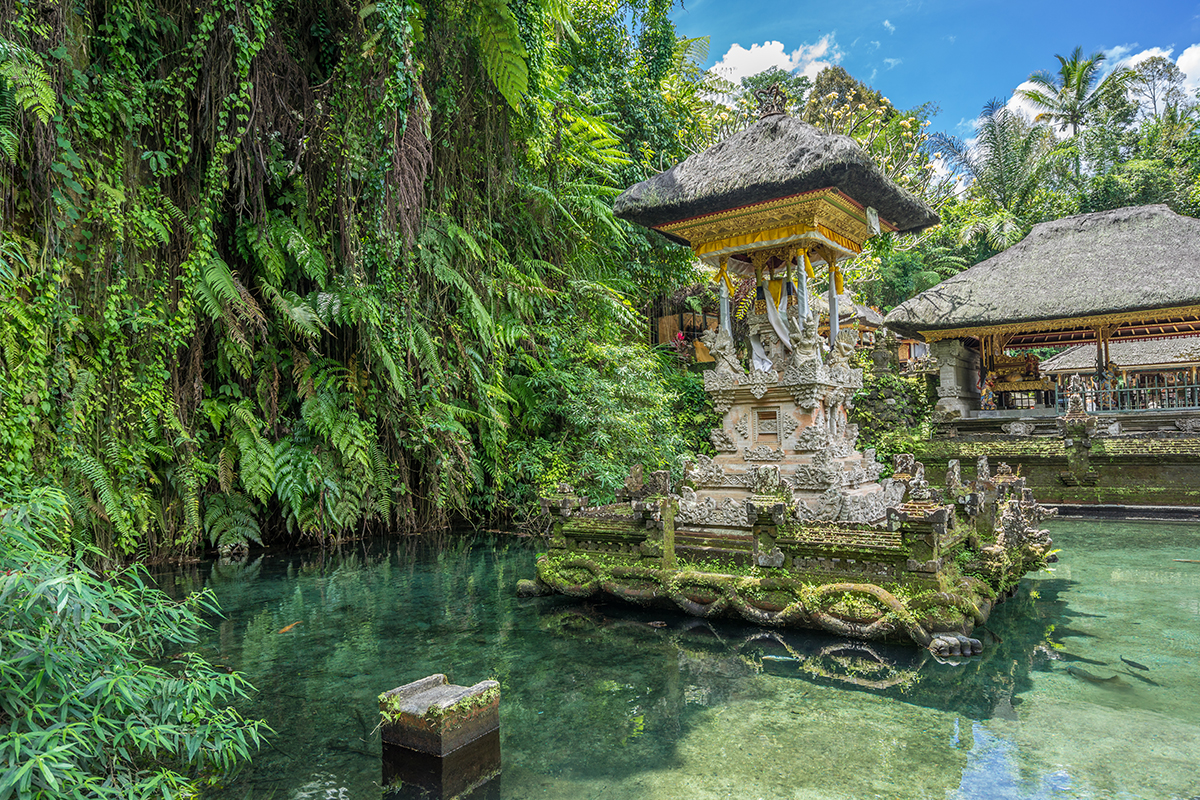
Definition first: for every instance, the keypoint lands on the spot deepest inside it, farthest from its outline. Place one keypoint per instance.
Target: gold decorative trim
(1148, 316)
(837, 217)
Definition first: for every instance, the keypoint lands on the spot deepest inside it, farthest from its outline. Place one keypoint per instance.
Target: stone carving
(762, 453)
(742, 429)
(813, 437)
(983, 472)
(843, 347)
(767, 479)
(722, 401)
(769, 427)
(954, 476)
(720, 345)
(806, 344)
(658, 484)
(806, 396)
(716, 380)
(722, 441)
(1187, 425)
(787, 426)
(776, 350)
(634, 487)
(694, 510)
(808, 372)
(1018, 428)
(759, 382)
(706, 472)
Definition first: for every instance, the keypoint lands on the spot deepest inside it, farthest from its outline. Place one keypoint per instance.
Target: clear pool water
(605, 701)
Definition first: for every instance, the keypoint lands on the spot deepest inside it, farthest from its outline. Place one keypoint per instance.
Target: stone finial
(953, 475)
(982, 471)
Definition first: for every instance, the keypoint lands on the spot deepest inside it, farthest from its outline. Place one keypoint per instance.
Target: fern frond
(504, 53)
(231, 519)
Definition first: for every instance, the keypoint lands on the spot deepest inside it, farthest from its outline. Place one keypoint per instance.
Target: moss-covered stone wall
(1122, 470)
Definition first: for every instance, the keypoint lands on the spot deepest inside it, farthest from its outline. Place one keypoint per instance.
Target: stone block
(435, 717)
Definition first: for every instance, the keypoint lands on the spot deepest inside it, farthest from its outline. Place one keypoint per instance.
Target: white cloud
(951, 39)
(874, 72)
(875, 45)
(892, 63)
(1189, 65)
(1020, 105)
(890, 27)
(807, 59)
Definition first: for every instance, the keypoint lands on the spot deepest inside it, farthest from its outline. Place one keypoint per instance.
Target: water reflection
(611, 701)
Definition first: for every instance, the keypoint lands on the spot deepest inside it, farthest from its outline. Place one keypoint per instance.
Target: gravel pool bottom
(603, 700)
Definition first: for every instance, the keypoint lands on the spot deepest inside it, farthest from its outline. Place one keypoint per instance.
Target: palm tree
(1066, 99)
(1005, 163)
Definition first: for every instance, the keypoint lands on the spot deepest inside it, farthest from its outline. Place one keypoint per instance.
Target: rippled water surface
(605, 701)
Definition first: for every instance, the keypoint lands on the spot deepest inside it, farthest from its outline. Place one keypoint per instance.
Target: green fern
(231, 519)
(504, 54)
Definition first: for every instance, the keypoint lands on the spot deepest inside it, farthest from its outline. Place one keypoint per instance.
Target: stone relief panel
(762, 453)
(811, 438)
(1018, 428)
(742, 429)
(695, 510)
(759, 382)
(722, 441)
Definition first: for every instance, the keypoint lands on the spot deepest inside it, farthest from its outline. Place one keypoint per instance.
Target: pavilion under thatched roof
(776, 158)
(1130, 273)
(1178, 352)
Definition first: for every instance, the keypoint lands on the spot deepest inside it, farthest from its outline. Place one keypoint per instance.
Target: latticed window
(766, 426)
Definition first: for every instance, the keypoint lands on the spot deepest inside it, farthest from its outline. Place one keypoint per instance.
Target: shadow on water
(600, 693)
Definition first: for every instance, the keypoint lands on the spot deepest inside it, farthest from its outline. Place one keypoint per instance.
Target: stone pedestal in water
(440, 740)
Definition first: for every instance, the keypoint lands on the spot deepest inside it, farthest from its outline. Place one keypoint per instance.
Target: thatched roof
(776, 157)
(1176, 352)
(1109, 262)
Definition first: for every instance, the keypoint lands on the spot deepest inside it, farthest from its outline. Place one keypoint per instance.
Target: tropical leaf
(504, 54)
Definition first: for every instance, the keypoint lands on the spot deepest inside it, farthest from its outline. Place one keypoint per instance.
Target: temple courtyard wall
(1135, 462)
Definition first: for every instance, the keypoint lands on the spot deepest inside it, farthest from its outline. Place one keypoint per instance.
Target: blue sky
(957, 54)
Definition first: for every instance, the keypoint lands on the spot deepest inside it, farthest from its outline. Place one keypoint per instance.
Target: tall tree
(1159, 83)
(1067, 97)
(1005, 166)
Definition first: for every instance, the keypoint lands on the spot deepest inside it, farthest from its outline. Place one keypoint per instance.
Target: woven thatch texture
(1130, 259)
(1176, 352)
(775, 157)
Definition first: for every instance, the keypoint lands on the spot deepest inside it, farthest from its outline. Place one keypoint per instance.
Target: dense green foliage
(275, 269)
(95, 698)
(327, 266)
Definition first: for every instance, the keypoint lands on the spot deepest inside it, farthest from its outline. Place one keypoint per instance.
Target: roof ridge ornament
(772, 101)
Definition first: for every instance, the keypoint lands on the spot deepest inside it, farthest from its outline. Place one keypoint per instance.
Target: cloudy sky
(957, 53)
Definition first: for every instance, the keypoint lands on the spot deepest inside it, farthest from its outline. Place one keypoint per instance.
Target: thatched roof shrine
(1131, 273)
(763, 187)
(1148, 354)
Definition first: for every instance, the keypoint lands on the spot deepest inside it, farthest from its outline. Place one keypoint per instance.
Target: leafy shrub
(892, 412)
(89, 706)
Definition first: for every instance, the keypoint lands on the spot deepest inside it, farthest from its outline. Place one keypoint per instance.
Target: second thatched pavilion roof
(1132, 273)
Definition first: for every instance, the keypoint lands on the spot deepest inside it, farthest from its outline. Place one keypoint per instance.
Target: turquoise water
(606, 701)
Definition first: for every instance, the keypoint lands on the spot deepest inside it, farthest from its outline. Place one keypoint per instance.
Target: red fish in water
(289, 627)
